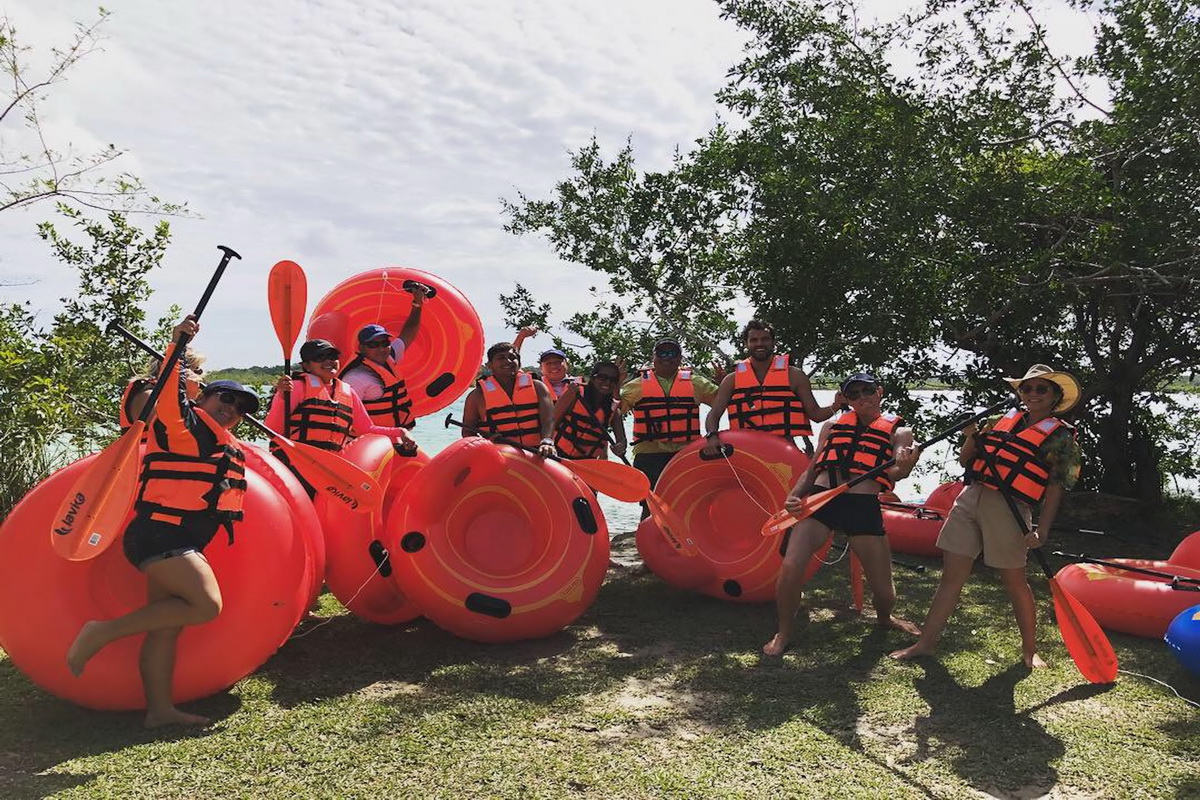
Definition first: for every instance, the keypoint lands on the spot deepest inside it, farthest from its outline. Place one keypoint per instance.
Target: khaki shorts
(981, 522)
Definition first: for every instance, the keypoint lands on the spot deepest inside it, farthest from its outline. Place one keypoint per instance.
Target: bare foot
(900, 625)
(777, 646)
(1034, 661)
(87, 643)
(912, 651)
(173, 716)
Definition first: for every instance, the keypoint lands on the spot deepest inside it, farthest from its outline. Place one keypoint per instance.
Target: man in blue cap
(554, 371)
(851, 444)
(375, 375)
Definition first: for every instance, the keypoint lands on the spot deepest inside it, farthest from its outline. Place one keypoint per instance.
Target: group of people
(1013, 462)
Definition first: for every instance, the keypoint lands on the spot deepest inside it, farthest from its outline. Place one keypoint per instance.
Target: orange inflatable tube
(498, 551)
(441, 362)
(722, 503)
(266, 581)
(1141, 605)
(358, 570)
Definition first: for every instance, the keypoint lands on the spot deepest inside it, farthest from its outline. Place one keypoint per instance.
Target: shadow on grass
(40, 731)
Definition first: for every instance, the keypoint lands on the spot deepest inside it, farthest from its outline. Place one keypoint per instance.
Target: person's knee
(206, 608)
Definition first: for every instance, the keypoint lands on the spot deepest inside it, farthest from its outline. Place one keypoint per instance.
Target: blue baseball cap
(372, 331)
(553, 352)
(232, 386)
(858, 377)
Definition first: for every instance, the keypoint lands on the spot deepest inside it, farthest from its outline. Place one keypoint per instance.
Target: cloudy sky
(353, 134)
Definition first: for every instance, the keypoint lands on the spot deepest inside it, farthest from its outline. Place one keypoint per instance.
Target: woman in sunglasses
(1020, 459)
(191, 485)
(583, 416)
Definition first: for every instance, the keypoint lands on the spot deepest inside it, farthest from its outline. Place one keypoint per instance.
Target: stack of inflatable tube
(498, 550)
(1142, 605)
(913, 528)
(722, 503)
(442, 360)
(358, 568)
(268, 578)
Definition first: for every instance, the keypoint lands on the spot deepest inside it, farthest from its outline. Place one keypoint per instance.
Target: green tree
(32, 166)
(60, 385)
(991, 206)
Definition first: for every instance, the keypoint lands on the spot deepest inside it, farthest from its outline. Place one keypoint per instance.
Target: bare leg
(956, 569)
(1016, 583)
(190, 596)
(157, 666)
(876, 558)
(807, 536)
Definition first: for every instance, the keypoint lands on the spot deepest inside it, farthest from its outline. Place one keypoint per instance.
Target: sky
(349, 135)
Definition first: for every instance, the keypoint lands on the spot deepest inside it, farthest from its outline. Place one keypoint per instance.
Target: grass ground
(653, 693)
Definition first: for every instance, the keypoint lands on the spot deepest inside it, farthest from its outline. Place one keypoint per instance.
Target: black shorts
(147, 540)
(852, 514)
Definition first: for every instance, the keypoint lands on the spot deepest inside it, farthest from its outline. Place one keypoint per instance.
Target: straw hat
(1064, 381)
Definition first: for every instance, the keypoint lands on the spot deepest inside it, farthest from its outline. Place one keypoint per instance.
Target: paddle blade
(333, 475)
(856, 582)
(93, 512)
(782, 520)
(613, 479)
(1087, 644)
(287, 297)
(670, 525)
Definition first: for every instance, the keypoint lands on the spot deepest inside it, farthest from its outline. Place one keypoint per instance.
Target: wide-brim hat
(224, 385)
(1064, 380)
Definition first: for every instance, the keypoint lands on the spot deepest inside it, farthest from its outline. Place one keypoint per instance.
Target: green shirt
(631, 394)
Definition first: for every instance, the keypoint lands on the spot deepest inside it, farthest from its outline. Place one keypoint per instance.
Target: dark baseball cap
(858, 377)
(216, 387)
(316, 349)
(372, 331)
(667, 345)
(553, 352)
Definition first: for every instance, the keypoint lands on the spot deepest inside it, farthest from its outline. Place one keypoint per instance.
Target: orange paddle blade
(856, 582)
(287, 297)
(610, 477)
(670, 525)
(782, 520)
(93, 513)
(333, 475)
(1089, 647)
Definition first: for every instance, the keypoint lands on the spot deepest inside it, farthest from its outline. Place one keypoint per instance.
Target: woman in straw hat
(1028, 456)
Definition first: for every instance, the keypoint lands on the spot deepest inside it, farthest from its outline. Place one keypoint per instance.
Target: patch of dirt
(381, 689)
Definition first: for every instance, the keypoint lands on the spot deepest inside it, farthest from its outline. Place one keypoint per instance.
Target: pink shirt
(360, 426)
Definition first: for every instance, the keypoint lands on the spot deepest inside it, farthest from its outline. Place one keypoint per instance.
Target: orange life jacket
(325, 415)
(515, 418)
(135, 386)
(1011, 461)
(670, 417)
(770, 406)
(853, 449)
(393, 408)
(583, 433)
(182, 477)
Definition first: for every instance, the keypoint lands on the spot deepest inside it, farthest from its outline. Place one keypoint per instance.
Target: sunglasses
(378, 343)
(236, 400)
(1033, 388)
(667, 353)
(866, 391)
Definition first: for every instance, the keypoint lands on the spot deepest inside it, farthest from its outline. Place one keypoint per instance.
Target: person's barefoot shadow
(979, 731)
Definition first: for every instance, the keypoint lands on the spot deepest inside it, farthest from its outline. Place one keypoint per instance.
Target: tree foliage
(33, 166)
(59, 386)
(990, 205)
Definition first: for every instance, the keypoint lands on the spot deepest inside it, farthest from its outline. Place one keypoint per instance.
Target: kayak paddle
(1175, 580)
(287, 297)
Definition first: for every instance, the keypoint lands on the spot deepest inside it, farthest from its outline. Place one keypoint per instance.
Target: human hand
(188, 326)
(528, 330)
(283, 383)
(546, 449)
(1034, 539)
(906, 457)
(619, 448)
(719, 371)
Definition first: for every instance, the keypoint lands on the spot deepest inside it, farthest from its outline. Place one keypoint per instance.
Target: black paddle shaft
(946, 434)
(181, 345)
(450, 420)
(1175, 579)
